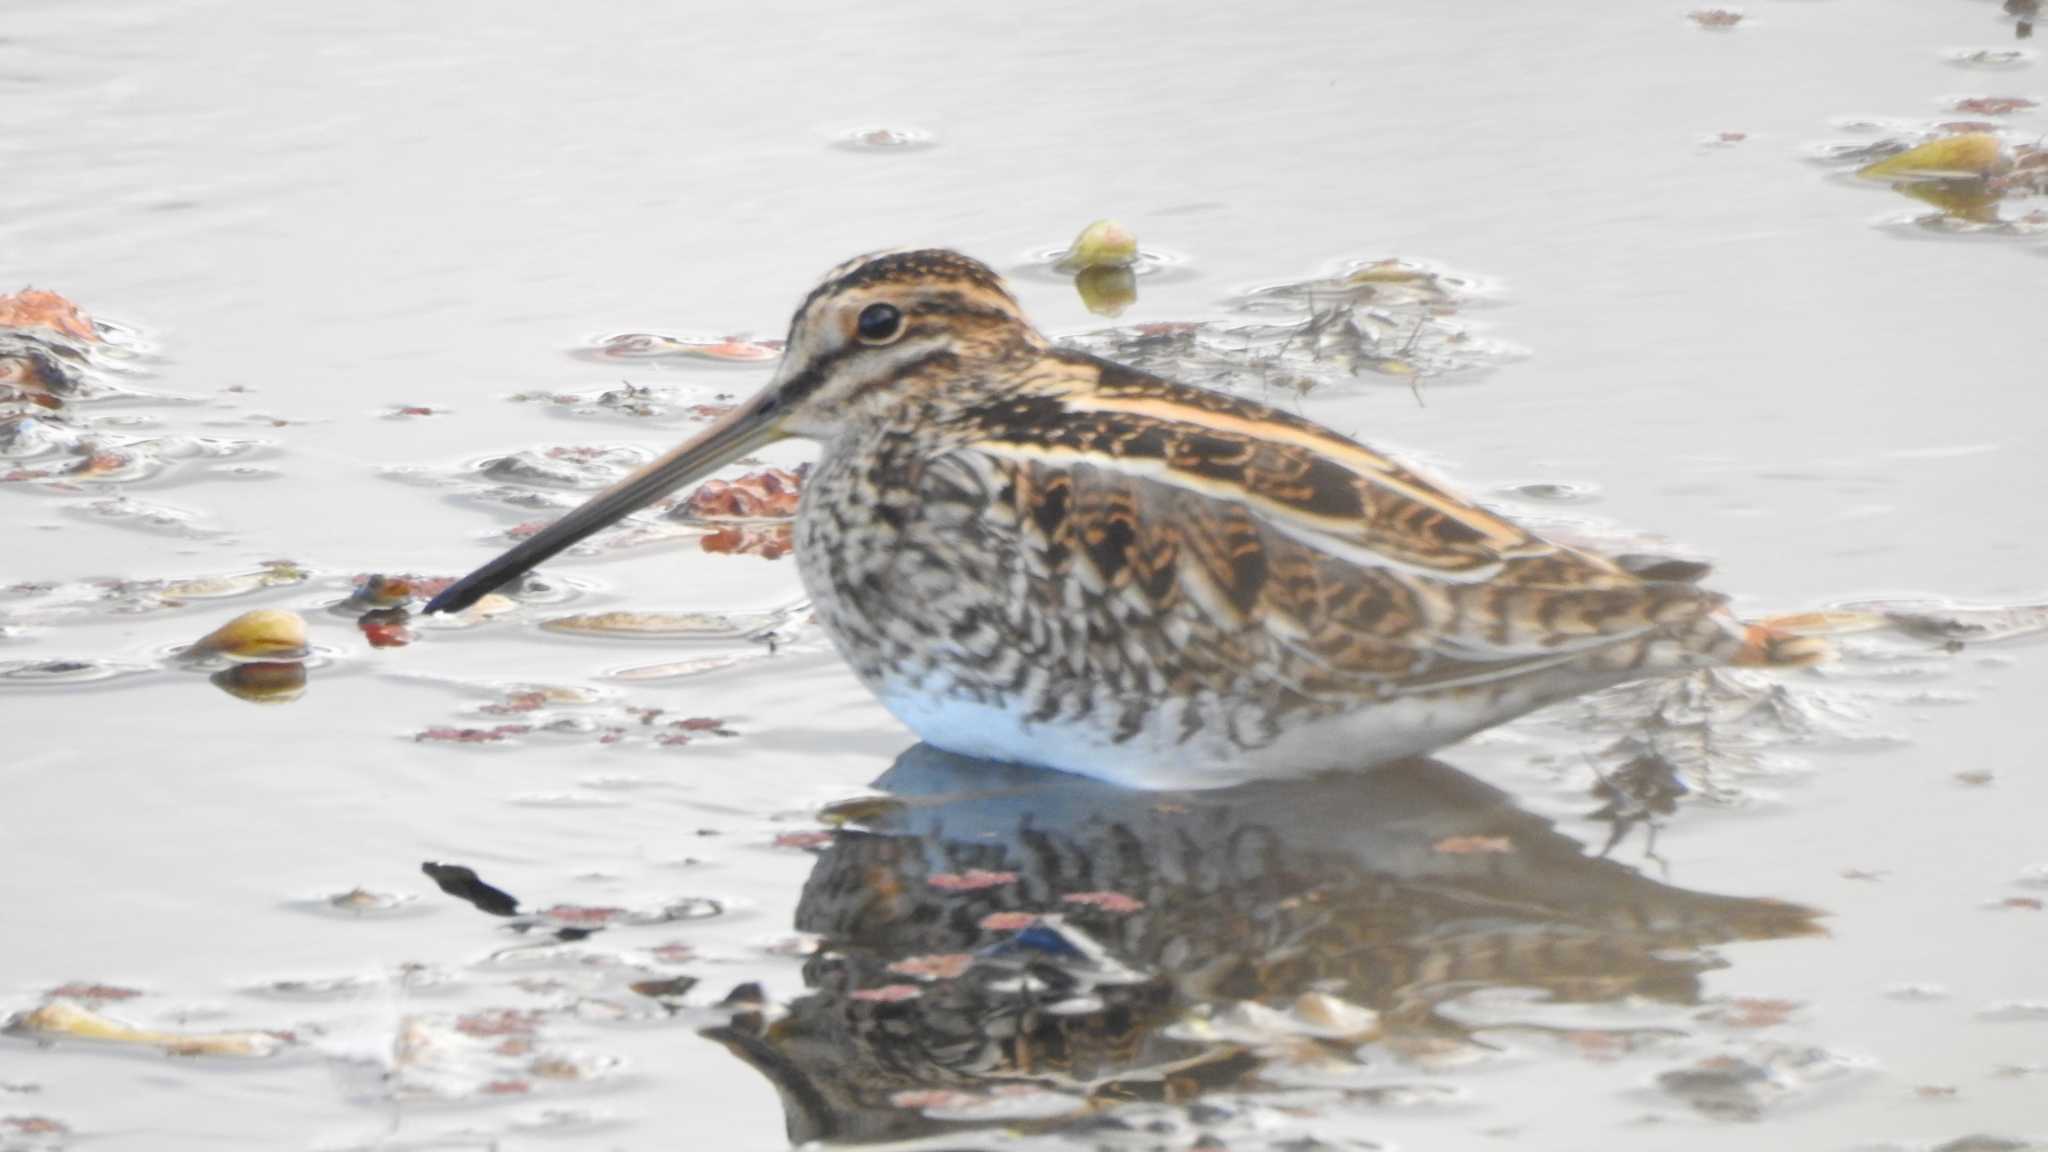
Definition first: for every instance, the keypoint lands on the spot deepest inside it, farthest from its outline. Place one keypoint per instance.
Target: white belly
(1157, 758)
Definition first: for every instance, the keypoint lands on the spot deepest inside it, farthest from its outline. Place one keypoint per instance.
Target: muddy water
(1643, 296)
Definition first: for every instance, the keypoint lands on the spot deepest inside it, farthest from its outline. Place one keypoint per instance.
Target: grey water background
(338, 210)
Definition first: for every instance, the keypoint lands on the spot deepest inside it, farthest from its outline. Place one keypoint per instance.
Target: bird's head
(877, 333)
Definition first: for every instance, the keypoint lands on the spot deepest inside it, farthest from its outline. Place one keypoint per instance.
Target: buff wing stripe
(1314, 486)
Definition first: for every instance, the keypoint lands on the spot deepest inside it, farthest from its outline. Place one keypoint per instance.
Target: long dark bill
(737, 433)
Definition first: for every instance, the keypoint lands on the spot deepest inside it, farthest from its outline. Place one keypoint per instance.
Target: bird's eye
(879, 324)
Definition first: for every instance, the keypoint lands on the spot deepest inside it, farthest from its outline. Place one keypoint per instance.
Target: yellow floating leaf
(62, 1018)
(265, 634)
(1970, 154)
(1103, 244)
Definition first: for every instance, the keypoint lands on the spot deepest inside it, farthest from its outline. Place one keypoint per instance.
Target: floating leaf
(1102, 244)
(1992, 105)
(82, 990)
(1970, 154)
(702, 625)
(34, 308)
(883, 139)
(445, 734)
(265, 634)
(767, 494)
(726, 349)
(62, 1018)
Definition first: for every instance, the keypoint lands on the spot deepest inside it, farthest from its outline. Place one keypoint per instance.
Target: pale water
(1643, 303)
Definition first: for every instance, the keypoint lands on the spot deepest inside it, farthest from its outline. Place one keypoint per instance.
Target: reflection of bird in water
(1393, 891)
(2026, 11)
(1035, 555)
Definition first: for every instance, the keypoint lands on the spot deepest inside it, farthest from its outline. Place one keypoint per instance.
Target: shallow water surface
(362, 277)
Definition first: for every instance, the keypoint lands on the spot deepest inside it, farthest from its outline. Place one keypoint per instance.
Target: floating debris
(1970, 154)
(60, 672)
(364, 902)
(2015, 1011)
(63, 1019)
(1992, 105)
(884, 139)
(1387, 318)
(86, 990)
(1102, 244)
(33, 1134)
(33, 308)
(716, 349)
(494, 1053)
(667, 625)
(1991, 58)
(1746, 1088)
(565, 466)
(267, 634)
(445, 734)
(770, 493)
(1716, 19)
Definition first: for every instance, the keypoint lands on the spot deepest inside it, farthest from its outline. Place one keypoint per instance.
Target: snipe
(1033, 554)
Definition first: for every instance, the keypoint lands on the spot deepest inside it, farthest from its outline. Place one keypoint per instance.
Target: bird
(1032, 554)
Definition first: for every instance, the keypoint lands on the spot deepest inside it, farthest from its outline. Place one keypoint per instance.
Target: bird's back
(1106, 568)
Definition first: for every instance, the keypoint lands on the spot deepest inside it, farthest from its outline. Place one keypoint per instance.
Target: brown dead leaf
(767, 494)
(445, 734)
(582, 915)
(1715, 17)
(1992, 105)
(498, 1022)
(82, 990)
(32, 308)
